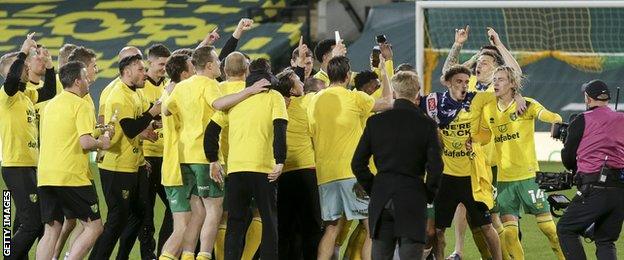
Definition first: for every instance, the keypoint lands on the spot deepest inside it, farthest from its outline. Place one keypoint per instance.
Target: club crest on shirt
(502, 128)
(513, 117)
(125, 194)
(33, 198)
(94, 208)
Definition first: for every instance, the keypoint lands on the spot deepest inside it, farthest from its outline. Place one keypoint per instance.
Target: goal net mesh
(588, 39)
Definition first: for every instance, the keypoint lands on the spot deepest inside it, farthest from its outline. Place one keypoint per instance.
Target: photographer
(595, 150)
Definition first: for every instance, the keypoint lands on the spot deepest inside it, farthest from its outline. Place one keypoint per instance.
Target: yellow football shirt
(335, 121)
(457, 160)
(171, 173)
(490, 155)
(18, 129)
(40, 105)
(300, 154)
(322, 76)
(472, 85)
(251, 131)
(104, 95)
(192, 99)
(124, 154)
(514, 138)
(62, 161)
(59, 90)
(231, 87)
(150, 93)
(227, 88)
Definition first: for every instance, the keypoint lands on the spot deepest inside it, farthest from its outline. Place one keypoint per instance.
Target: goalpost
(422, 6)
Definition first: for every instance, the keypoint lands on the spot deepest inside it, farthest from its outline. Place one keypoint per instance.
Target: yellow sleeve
(85, 122)
(115, 104)
(364, 102)
(320, 75)
(279, 106)
(103, 98)
(481, 99)
(543, 114)
(171, 101)
(211, 93)
(483, 135)
(472, 83)
(220, 118)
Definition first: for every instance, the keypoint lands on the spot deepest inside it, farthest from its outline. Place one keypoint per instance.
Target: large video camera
(559, 131)
(556, 181)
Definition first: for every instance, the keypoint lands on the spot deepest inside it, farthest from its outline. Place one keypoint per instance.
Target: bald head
(128, 51)
(236, 65)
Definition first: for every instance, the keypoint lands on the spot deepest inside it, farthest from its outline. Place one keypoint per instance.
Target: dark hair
(158, 51)
(285, 82)
(82, 54)
(260, 64)
(127, 61)
(295, 53)
(457, 69)
(260, 69)
(201, 56)
(497, 58)
(70, 72)
(404, 67)
(310, 85)
(176, 64)
(490, 47)
(364, 77)
(322, 48)
(184, 51)
(338, 69)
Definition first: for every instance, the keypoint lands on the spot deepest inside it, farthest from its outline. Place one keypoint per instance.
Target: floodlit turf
(535, 244)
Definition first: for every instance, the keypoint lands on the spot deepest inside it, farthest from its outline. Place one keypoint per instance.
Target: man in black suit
(403, 141)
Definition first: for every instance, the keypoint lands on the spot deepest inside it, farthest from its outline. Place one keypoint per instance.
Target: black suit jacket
(404, 142)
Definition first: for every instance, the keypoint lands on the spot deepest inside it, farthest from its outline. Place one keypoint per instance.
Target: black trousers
(22, 182)
(242, 186)
(136, 222)
(121, 192)
(386, 241)
(299, 215)
(601, 205)
(157, 189)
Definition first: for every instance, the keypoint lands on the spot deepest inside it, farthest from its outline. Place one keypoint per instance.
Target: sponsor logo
(506, 137)
(454, 153)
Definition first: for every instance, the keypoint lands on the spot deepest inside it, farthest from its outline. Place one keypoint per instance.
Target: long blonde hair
(515, 79)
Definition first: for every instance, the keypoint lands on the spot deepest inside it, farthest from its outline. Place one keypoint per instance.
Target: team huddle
(245, 160)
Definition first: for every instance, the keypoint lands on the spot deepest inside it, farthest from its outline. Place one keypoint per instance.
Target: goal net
(589, 39)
